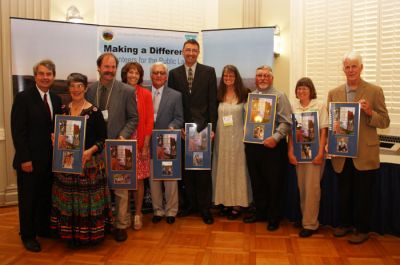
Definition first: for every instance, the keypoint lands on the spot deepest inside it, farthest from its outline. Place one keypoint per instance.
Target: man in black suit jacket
(32, 123)
(198, 85)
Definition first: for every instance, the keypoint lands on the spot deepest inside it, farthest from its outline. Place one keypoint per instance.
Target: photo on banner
(75, 48)
(246, 48)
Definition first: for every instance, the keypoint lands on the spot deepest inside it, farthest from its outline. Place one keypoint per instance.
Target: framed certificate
(69, 144)
(166, 151)
(197, 147)
(344, 126)
(305, 136)
(121, 164)
(260, 117)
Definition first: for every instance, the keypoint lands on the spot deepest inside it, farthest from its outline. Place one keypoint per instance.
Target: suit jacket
(368, 140)
(170, 111)
(200, 106)
(31, 128)
(122, 109)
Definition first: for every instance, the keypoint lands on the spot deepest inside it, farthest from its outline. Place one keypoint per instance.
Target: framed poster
(344, 126)
(197, 147)
(260, 117)
(166, 150)
(121, 164)
(69, 144)
(305, 136)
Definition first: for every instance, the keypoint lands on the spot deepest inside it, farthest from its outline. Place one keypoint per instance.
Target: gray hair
(159, 63)
(265, 67)
(353, 55)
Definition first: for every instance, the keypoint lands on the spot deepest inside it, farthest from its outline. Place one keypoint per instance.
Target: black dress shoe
(120, 235)
(250, 219)
(207, 218)
(306, 232)
(170, 220)
(272, 226)
(32, 245)
(156, 219)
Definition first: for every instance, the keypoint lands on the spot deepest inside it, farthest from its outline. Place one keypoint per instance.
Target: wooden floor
(189, 241)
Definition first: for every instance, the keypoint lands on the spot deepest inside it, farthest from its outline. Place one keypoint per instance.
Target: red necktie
(47, 104)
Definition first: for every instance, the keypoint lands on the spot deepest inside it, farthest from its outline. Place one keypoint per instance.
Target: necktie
(156, 103)
(46, 104)
(190, 79)
(103, 98)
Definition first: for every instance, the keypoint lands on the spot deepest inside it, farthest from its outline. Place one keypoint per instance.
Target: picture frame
(260, 117)
(197, 147)
(121, 164)
(166, 154)
(344, 126)
(305, 136)
(69, 144)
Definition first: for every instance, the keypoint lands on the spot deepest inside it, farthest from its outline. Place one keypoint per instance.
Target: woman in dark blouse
(81, 206)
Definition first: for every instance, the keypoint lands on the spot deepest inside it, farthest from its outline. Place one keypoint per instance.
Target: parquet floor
(189, 241)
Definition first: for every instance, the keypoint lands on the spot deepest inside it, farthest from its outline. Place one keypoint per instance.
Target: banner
(246, 48)
(75, 48)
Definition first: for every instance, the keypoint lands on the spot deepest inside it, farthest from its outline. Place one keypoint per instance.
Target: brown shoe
(342, 231)
(358, 238)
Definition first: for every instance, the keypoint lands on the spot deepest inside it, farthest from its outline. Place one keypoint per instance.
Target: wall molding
(9, 196)
(2, 134)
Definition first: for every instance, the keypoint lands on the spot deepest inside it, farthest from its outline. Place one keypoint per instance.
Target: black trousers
(198, 189)
(34, 201)
(267, 169)
(355, 193)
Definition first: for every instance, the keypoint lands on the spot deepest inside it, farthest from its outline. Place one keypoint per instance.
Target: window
(331, 28)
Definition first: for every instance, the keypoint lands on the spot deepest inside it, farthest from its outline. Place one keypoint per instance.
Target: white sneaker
(137, 222)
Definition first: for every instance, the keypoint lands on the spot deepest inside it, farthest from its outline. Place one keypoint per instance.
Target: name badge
(105, 114)
(228, 120)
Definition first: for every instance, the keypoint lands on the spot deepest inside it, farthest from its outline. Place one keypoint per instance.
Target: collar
(154, 90)
(41, 92)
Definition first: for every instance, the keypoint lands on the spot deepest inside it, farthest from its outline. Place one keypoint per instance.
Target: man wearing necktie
(168, 114)
(198, 85)
(32, 123)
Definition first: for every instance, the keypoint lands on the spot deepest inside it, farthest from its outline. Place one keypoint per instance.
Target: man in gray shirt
(267, 163)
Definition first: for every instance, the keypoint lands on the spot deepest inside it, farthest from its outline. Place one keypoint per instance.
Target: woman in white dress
(229, 162)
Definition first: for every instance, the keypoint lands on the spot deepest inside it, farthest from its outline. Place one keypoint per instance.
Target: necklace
(73, 109)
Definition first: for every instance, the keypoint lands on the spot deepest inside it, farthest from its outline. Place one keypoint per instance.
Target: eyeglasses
(263, 75)
(303, 88)
(191, 50)
(158, 73)
(76, 86)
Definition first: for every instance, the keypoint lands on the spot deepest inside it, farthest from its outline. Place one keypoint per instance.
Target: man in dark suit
(168, 114)
(356, 176)
(32, 123)
(117, 102)
(198, 85)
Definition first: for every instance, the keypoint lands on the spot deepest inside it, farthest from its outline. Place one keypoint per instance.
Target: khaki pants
(309, 182)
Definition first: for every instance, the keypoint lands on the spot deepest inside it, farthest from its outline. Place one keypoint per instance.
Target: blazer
(31, 128)
(170, 110)
(122, 109)
(368, 140)
(200, 106)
